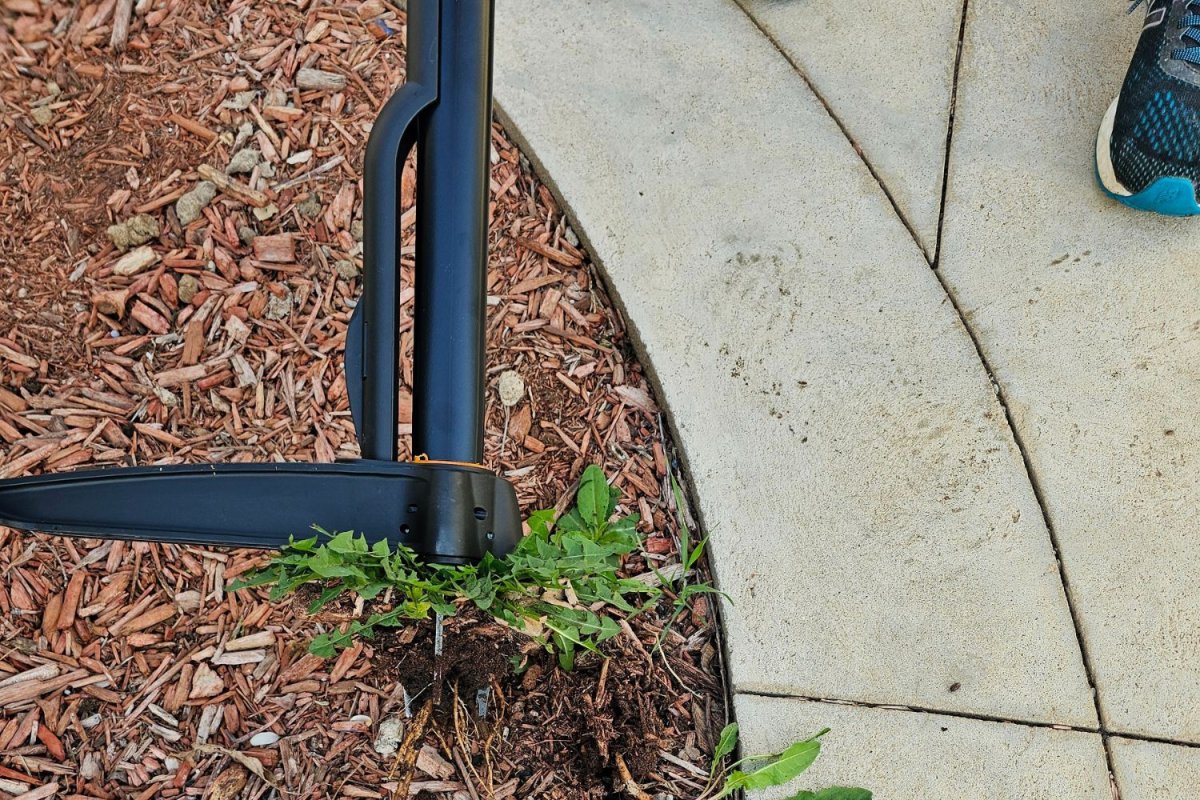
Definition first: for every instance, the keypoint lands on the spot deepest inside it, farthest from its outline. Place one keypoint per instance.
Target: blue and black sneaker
(1148, 149)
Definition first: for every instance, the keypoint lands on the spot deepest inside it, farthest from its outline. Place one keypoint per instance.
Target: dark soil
(544, 724)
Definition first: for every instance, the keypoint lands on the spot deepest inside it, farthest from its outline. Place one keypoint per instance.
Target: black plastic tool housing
(449, 509)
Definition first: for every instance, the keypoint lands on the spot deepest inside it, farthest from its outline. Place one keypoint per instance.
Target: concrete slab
(900, 755)
(869, 512)
(887, 71)
(1154, 771)
(1088, 314)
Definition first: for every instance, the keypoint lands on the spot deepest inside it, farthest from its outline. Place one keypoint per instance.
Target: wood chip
(27, 690)
(19, 465)
(18, 358)
(636, 397)
(149, 318)
(557, 256)
(280, 248)
(120, 29)
(174, 377)
(194, 128)
(307, 78)
(233, 188)
(43, 672)
(205, 683)
(135, 261)
(251, 641)
(148, 620)
(42, 792)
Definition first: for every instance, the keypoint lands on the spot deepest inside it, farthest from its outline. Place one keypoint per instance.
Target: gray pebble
(278, 307)
(243, 161)
(188, 286)
(188, 207)
(310, 207)
(512, 388)
(134, 231)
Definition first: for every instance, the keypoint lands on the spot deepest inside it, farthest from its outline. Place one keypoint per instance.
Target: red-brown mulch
(127, 670)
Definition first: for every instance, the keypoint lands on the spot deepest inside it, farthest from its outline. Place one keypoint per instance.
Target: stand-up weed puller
(445, 505)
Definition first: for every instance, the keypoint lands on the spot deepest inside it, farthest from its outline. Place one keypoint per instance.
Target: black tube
(452, 222)
(375, 346)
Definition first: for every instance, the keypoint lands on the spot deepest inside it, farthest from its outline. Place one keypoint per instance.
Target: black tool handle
(452, 230)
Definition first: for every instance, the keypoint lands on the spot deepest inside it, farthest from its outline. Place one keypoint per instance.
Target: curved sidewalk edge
(870, 514)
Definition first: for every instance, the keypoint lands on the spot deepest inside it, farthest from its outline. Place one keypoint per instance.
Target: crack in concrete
(1101, 730)
(1030, 472)
(1035, 484)
(741, 4)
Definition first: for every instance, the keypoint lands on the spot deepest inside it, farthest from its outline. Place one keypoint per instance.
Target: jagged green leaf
(776, 770)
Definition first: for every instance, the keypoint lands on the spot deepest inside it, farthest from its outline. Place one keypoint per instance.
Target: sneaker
(1148, 149)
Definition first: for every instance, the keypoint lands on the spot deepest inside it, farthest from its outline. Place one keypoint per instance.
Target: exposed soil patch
(145, 677)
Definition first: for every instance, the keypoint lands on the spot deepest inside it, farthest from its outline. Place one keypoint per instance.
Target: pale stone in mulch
(136, 230)
(511, 387)
(189, 206)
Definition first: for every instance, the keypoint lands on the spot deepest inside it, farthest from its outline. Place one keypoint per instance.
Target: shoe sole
(1169, 195)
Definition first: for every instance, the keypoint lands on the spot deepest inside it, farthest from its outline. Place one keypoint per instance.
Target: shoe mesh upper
(1156, 132)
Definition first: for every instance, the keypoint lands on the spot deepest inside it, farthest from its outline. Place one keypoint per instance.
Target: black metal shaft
(375, 346)
(452, 225)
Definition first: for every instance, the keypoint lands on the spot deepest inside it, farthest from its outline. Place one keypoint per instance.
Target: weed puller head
(446, 505)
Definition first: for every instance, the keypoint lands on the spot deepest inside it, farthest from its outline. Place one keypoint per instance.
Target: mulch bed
(127, 670)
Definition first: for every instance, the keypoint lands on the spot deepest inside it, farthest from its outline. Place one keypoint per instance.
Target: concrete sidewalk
(940, 435)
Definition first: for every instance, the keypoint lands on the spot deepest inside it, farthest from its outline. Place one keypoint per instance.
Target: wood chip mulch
(126, 669)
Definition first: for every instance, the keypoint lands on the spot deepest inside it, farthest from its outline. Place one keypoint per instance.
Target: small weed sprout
(690, 553)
